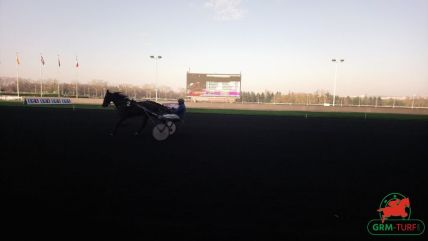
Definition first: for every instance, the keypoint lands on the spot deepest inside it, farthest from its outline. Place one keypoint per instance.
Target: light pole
(156, 58)
(335, 78)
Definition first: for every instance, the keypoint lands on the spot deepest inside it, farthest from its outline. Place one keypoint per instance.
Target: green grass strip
(305, 114)
(309, 114)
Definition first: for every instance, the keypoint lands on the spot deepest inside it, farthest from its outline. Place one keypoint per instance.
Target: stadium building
(213, 87)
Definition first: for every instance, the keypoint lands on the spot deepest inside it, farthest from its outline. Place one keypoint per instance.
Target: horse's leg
(117, 126)
(143, 124)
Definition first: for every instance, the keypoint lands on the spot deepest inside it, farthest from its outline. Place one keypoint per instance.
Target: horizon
(150, 86)
(276, 45)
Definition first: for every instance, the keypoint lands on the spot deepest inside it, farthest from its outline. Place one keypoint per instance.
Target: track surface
(221, 177)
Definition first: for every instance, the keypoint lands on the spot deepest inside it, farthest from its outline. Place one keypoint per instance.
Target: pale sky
(278, 45)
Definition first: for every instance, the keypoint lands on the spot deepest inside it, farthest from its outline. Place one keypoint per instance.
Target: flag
(42, 60)
(77, 63)
(59, 62)
(17, 59)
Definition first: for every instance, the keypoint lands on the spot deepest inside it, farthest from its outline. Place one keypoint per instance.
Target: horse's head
(107, 98)
(405, 202)
(117, 98)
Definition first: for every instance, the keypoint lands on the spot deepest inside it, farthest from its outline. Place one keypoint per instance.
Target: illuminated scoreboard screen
(212, 85)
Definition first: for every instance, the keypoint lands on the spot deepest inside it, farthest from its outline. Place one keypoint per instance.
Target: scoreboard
(213, 85)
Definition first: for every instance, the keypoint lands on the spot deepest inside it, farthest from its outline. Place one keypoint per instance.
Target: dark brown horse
(128, 108)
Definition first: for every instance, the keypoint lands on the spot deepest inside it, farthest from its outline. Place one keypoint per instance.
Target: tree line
(97, 89)
(93, 89)
(324, 97)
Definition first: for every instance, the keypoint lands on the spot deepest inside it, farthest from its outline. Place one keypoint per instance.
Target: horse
(395, 208)
(128, 108)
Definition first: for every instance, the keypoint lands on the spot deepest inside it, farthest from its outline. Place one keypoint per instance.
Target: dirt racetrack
(221, 177)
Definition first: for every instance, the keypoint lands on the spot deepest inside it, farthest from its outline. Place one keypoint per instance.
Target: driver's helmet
(180, 101)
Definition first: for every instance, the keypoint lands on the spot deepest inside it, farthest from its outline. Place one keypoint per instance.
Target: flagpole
(77, 80)
(17, 74)
(17, 79)
(57, 81)
(77, 77)
(41, 81)
(41, 76)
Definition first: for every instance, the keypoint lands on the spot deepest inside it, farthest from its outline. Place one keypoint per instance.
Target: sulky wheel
(160, 132)
(172, 127)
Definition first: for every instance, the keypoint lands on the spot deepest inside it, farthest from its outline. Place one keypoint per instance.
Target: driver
(181, 108)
